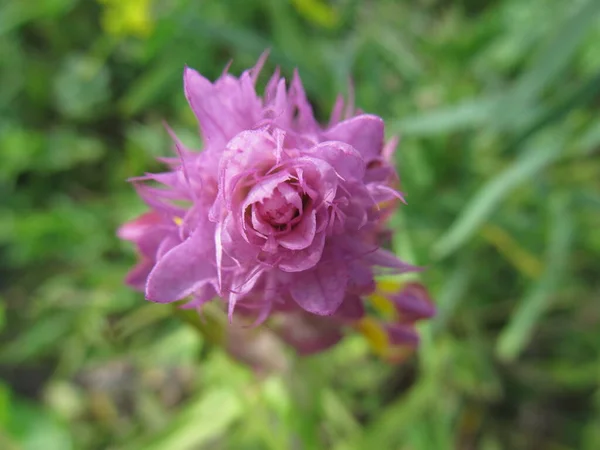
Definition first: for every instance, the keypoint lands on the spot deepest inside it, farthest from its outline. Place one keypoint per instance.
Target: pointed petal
(255, 71)
(306, 120)
(389, 149)
(198, 90)
(349, 110)
(413, 302)
(399, 334)
(364, 133)
(135, 229)
(344, 158)
(336, 112)
(385, 258)
(382, 193)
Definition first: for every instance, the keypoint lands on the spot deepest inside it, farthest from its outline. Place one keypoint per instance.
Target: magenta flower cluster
(277, 213)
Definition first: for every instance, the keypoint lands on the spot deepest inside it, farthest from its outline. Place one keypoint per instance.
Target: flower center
(276, 210)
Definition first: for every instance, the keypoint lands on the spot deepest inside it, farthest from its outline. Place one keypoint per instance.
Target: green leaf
(201, 421)
(488, 198)
(581, 95)
(551, 61)
(453, 292)
(36, 340)
(150, 86)
(517, 332)
(82, 87)
(16, 13)
(466, 115)
(34, 428)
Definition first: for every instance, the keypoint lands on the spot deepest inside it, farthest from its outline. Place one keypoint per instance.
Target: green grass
(497, 105)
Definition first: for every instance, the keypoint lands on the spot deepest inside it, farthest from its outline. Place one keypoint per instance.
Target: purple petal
(375, 256)
(389, 149)
(306, 120)
(384, 258)
(255, 71)
(265, 188)
(181, 271)
(402, 334)
(302, 235)
(166, 245)
(243, 152)
(204, 295)
(308, 333)
(413, 302)
(136, 278)
(361, 278)
(300, 260)
(139, 227)
(242, 285)
(197, 92)
(344, 158)
(317, 176)
(322, 289)
(336, 112)
(155, 199)
(381, 193)
(291, 195)
(364, 133)
(351, 309)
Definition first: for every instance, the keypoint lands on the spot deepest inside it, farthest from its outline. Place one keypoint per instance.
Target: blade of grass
(508, 246)
(487, 199)
(393, 423)
(582, 94)
(452, 293)
(518, 331)
(202, 421)
(553, 58)
(465, 115)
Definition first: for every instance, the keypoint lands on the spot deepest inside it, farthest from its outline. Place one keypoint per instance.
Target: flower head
(282, 217)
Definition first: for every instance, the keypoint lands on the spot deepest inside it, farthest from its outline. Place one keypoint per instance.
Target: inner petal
(277, 210)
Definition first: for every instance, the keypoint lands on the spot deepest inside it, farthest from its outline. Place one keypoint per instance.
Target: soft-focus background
(498, 105)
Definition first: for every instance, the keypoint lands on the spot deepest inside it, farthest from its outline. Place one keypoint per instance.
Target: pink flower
(281, 214)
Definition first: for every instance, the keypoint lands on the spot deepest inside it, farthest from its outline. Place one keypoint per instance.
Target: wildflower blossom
(278, 216)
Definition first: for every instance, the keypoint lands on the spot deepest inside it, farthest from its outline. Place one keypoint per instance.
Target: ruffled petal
(344, 159)
(302, 235)
(300, 260)
(181, 271)
(322, 289)
(364, 133)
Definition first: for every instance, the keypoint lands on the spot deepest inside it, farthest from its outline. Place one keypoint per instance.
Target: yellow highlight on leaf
(127, 17)
(379, 342)
(381, 303)
(317, 12)
(525, 262)
(375, 334)
(389, 286)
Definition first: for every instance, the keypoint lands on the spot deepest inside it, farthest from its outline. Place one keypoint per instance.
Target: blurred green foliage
(497, 103)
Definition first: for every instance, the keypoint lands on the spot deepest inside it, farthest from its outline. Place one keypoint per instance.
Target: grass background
(497, 103)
